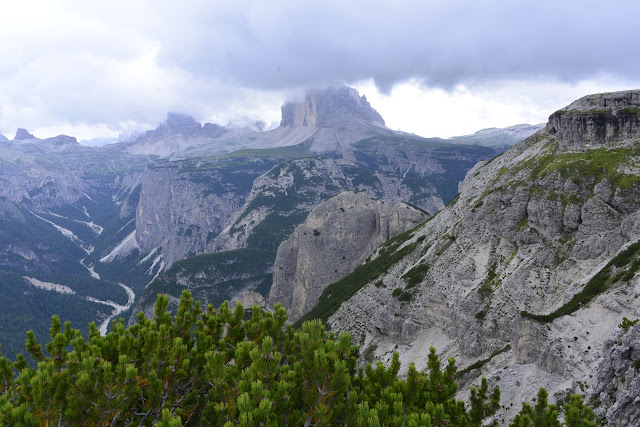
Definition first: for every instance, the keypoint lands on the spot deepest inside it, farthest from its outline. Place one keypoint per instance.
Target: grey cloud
(87, 64)
(287, 44)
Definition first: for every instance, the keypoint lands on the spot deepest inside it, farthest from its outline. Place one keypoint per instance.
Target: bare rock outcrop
(330, 108)
(183, 205)
(23, 134)
(598, 119)
(338, 235)
(530, 232)
(617, 384)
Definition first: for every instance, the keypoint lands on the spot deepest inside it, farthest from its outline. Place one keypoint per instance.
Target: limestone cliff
(617, 381)
(528, 271)
(330, 108)
(184, 205)
(282, 198)
(597, 119)
(338, 235)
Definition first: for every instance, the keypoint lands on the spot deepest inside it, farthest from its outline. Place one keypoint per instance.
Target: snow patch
(48, 286)
(87, 196)
(123, 249)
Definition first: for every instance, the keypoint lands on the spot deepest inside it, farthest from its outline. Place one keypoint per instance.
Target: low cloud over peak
(87, 64)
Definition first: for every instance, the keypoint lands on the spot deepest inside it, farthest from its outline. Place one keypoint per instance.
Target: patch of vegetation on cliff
(627, 264)
(274, 229)
(480, 363)
(490, 283)
(298, 151)
(414, 276)
(335, 294)
(595, 165)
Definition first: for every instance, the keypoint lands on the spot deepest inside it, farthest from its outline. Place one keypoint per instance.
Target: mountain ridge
(530, 231)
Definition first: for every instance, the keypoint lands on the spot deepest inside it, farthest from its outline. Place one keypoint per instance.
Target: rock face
(617, 382)
(330, 108)
(184, 205)
(528, 232)
(338, 235)
(597, 119)
(23, 134)
(282, 198)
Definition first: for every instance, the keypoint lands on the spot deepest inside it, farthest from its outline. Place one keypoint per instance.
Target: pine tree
(212, 367)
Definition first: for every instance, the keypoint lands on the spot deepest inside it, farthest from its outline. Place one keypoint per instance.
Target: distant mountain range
(94, 219)
(523, 266)
(498, 137)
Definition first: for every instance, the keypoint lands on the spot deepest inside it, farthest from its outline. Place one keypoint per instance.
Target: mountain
(498, 137)
(336, 237)
(254, 198)
(3, 138)
(22, 134)
(98, 142)
(525, 274)
(178, 133)
(330, 120)
(102, 230)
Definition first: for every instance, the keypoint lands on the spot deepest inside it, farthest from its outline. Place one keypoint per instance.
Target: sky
(430, 67)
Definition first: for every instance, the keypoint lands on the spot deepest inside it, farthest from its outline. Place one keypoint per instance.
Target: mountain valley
(99, 219)
(520, 262)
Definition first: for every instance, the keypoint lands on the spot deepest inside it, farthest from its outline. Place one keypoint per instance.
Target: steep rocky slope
(184, 205)
(282, 198)
(527, 272)
(616, 391)
(338, 235)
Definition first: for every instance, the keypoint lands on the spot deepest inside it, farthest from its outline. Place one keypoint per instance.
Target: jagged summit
(597, 119)
(331, 107)
(3, 138)
(177, 133)
(22, 134)
(180, 123)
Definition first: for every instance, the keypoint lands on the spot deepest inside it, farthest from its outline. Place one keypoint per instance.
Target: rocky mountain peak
(22, 134)
(62, 140)
(181, 124)
(597, 119)
(330, 108)
(3, 138)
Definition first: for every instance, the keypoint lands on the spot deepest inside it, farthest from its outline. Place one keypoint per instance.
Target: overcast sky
(434, 68)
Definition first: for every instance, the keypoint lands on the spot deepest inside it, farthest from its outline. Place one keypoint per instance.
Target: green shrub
(598, 284)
